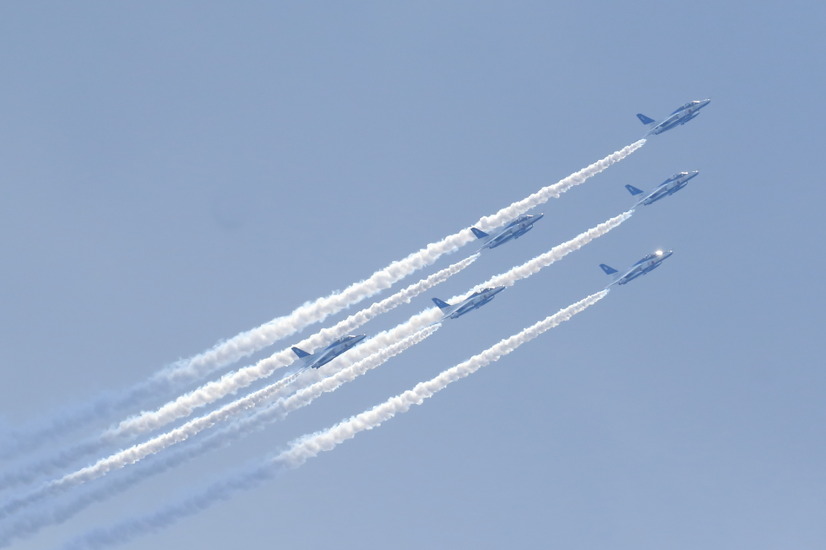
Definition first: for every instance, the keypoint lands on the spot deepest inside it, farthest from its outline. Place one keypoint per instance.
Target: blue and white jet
(336, 348)
(474, 301)
(649, 263)
(666, 188)
(513, 230)
(677, 118)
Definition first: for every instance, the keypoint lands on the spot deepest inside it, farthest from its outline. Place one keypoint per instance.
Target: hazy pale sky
(174, 173)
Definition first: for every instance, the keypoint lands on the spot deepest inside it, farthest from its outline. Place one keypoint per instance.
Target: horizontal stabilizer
(608, 269)
(644, 119)
(633, 190)
(300, 352)
(479, 233)
(441, 303)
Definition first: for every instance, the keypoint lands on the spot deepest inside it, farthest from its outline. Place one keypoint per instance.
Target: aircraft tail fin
(300, 352)
(645, 120)
(479, 233)
(608, 269)
(441, 303)
(633, 190)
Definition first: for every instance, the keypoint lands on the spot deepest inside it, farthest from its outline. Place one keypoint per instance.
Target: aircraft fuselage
(333, 350)
(513, 230)
(474, 301)
(680, 116)
(645, 265)
(669, 186)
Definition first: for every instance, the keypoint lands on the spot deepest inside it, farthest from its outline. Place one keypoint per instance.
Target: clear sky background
(173, 173)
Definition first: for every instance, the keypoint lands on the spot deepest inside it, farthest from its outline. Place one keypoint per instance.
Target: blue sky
(175, 173)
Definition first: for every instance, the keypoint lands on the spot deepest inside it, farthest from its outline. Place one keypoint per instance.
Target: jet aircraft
(679, 117)
(474, 301)
(648, 263)
(513, 230)
(336, 348)
(666, 188)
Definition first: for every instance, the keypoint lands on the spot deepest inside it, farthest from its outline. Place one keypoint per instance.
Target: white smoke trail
(376, 343)
(139, 451)
(251, 341)
(192, 428)
(234, 381)
(554, 191)
(348, 373)
(39, 469)
(55, 512)
(311, 445)
(371, 353)
(436, 250)
(557, 253)
(316, 311)
(418, 321)
(23, 441)
(227, 385)
(130, 529)
(508, 278)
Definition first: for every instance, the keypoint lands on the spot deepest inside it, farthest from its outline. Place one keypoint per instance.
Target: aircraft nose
(539, 216)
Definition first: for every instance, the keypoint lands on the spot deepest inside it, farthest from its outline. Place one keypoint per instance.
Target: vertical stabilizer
(300, 352)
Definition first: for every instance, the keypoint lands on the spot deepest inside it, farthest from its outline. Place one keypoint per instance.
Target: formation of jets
(524, 223)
